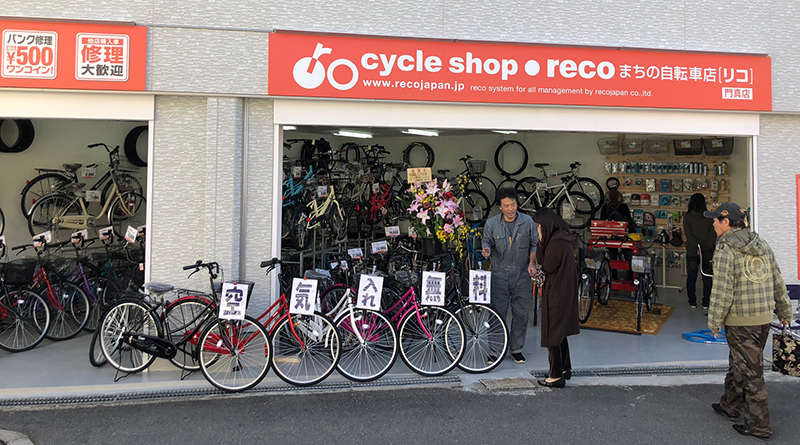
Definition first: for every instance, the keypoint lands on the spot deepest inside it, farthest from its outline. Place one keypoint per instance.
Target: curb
(14, 438)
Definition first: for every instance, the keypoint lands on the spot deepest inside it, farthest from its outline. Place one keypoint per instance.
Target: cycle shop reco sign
(73, 55)
(318, 65)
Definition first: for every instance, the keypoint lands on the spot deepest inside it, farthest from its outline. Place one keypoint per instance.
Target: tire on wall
(130, 146)
(25, 135)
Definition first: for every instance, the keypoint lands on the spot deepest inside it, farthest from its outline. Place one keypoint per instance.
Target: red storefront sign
(311, 65)
(73, 55)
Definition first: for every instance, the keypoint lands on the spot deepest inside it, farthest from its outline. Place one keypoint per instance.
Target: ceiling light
(505, 131)
(353, 134)
(289, 127)
(421, 132)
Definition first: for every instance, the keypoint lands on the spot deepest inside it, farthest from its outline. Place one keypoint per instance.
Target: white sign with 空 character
(233, 301)
(304, 296)
(480, 287)
(433, 284)
(370, 289)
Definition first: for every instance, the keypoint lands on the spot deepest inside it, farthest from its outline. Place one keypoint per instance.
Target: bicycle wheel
(128, 209)
(305, 349)
(330, 298)
(46, 215)
(585, 294)
(373, 356)
(24, 319)
(182, 319)
(602, 288)
(365, 223)
(485, 335)
(484, 184)
(591, 188)
(434, 354)
(652, 293)
(430, 156)
(639, 305)
(96, 357)
(2, 222)
(476, 206)
(126, 182)
(503, 166)
(338, 223)
(300, 234)
(124, 319)
(69, 310)
(234, 355)
(39, 187)
(576, 208)
(526, 188)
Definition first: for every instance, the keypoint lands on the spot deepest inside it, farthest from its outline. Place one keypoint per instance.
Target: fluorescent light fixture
(289, 127)
(505, 131)
(421, 132)
(353, 134)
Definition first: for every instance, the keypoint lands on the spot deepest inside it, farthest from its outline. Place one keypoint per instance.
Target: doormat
(620, 316)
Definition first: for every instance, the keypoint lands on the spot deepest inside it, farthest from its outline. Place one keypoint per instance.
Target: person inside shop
(616, 210)
(510, 239)
(560, 317)
(700, 241)
(747, 286)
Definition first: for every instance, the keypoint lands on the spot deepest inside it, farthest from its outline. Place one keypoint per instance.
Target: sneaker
(693, 306)
(490, 360)
(518, 357)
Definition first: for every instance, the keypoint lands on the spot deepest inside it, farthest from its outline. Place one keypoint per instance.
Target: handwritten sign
(304, 296)
(370, 289)
(480, 287)
(433, 284)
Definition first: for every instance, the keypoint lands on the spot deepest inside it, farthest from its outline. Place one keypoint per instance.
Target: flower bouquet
(436, 213)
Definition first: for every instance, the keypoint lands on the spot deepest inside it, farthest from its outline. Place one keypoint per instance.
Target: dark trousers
(692, 270)
(559, 359)
(745, 392)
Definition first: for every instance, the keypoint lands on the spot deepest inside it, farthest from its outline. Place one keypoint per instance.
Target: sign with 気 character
(304, 296)
(480, 287)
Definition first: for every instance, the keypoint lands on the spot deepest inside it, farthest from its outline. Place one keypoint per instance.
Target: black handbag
(786, 353)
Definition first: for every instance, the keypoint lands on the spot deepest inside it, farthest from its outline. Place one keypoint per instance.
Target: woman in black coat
(559, 294)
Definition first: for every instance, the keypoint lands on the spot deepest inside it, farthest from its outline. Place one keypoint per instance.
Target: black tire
(372, 359)
(96, 357)
(234, 355)
(131, 141)
(25, 320)
(44, 216)
(485, 335)
(525, 188)
(431, 157)
(2, 222)
(591, 188)
(433, 356)
(300, 234)
(484, 184)
(127, 316)
(639, 306)
(40, 187)
(309, 365)
(583, 209)
(126, 182)
(500, 168)
(652, 293)
(129, 209)
(181, 319)
(603, 285)
(25, 136)
(350, 152)
(473, 199)
(585, 294)
(69, 314)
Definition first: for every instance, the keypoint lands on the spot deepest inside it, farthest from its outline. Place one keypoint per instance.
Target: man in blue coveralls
(510, 238)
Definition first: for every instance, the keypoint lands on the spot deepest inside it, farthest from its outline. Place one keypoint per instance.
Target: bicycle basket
(632, 146)
(656, 146)
(19, 272)
(321, 275)
(594, 258)
(718, 146)
(642, 263)
(476, 167)
(687, 147)
(608, 146)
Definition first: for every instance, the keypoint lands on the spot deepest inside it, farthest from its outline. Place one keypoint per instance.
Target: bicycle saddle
(159, 288)
(72, 168)
(541, 165)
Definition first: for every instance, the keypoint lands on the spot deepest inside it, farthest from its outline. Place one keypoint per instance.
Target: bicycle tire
(40, 186)
(131, 141)
(652, 292)
(25, 135)
(591, 188)
(127, 316)
(221, 353)
(483, 184)
(181, 319)
(639, 306)
(309, 365)
(434, 356)
(476, 206)
(350, 152)
(69, 315)
(330, 298)
(99, 288)
(126, 183)
(372, 359)
(525, 188)
(43, 216)
(299, 228)
(431, 156)
(24, 321)
(365, 224)
(603, 284)
(2, 222)
(583, 209)
(485, 336)
(96, 357)
(585, 294)
(128, 209)
(508, 182)
(500, 168)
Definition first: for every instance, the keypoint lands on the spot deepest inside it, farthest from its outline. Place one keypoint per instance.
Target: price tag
(433, 288)
(375, 187)
(297, 171)
(105, 233)
(304, 296)
(477, 213)
(541, 186)
(88, 172)
(46, 237)
(380, 247)
(79, 236)
(392, 231)
(356, 253)
(480, 287)
(340, 264)
(322, 191)
(411, 232)
(130, 234)
(141, 230)
(419, 174)
(370, 289)
(92, 195)
(552, 173)
(233, 301)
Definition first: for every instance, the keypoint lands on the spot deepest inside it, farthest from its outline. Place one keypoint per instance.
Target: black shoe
(491, 359)
(741, 429)
(718, 408)
(567, 375)
(518, 357)
(560, 383)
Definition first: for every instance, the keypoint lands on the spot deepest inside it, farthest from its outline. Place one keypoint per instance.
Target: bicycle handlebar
(200, 264)
(269, 263)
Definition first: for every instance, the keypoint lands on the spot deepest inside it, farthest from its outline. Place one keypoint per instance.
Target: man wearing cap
(747, 286)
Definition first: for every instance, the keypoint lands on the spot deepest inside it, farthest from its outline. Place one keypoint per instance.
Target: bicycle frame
(319, 210)
(294, 190)
(82, 221)
(407, 303)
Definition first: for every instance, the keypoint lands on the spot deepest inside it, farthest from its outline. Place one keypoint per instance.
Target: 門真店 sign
(309, 65)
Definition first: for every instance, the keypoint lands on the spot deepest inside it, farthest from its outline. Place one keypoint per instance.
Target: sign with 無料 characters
(480, 287)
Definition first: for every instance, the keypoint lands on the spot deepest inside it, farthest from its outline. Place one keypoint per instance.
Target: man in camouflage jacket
(747, 286)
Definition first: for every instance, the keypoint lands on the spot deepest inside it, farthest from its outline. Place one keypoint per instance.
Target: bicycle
(576, 208)
(474, 170)
(594, 282)
(646, 293)
(233, 355)
(307, 218)
(573, 182)
(50, 181)
(61, 214)
(24, 316)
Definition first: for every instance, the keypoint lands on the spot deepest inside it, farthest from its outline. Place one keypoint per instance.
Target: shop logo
(310, 73)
